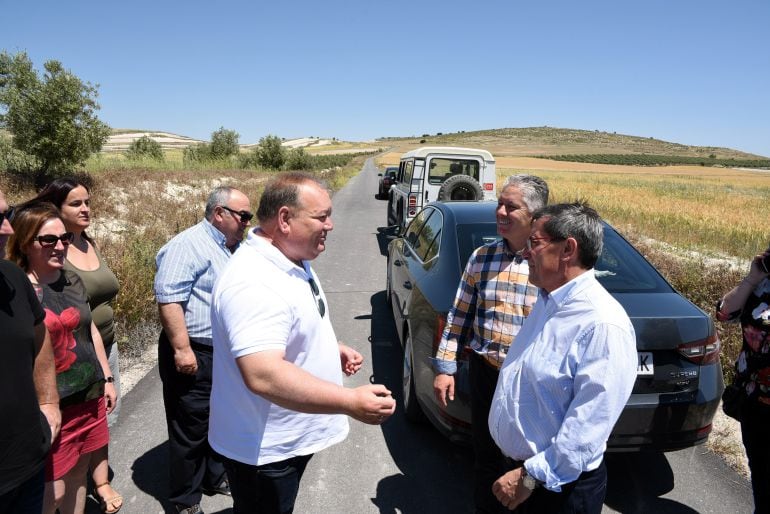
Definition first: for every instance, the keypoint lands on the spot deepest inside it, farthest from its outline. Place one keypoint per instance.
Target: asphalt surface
(396, 467)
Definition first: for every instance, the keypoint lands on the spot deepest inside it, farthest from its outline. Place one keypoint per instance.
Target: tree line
(660, 160)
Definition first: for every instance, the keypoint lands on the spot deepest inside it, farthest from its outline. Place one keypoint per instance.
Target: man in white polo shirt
(277, 393)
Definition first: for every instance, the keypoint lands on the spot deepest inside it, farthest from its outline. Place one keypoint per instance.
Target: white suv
(435, 173)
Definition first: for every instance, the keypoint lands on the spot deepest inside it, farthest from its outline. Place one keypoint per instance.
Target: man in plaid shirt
(492, 300)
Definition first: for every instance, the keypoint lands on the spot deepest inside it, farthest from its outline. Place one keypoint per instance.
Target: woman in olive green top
(73, 201)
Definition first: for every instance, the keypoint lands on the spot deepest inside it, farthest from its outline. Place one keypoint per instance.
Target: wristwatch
(528, 480)
(109, 380)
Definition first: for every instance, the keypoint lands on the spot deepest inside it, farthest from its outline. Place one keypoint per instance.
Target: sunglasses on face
(317, 295)
(50, 240)
(245, 216)
(6, 215)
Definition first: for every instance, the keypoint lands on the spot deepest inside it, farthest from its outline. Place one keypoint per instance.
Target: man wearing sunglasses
(188, 265)
(28, 382)
(277, 394)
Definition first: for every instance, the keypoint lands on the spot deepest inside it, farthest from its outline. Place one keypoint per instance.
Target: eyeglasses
(245, 216)
(533, 242)
(317, 295)
(50, 240)
(7, 215)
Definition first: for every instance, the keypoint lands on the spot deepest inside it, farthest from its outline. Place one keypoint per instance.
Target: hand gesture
(372, 404)
(350, 359)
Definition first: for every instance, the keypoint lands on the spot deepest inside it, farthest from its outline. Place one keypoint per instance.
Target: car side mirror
(379, 174)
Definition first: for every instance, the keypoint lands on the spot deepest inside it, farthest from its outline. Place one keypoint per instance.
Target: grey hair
(534, 190)
(218, 196)
(578, 221)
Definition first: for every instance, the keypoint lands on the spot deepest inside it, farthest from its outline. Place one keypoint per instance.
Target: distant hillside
(529, 142)
(535, 141)
(121, 139)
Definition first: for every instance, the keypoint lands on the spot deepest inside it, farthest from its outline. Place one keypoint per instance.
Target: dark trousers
(267, 489)
(583, 496)
(754, 430)
(192, 462)
(27, 498)
(489, 462)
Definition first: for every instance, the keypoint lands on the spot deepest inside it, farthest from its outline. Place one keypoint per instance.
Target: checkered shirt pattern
(492, 301)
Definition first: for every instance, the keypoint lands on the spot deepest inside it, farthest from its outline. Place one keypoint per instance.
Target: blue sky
(688, 71)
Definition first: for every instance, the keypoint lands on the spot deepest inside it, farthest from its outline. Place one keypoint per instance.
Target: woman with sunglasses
(73, 199)
(39, 246)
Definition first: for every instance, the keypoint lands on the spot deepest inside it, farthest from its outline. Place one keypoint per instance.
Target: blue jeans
(27, 498)
(267, 489)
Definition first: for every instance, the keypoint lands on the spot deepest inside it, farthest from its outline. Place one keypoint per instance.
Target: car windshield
(621, 269)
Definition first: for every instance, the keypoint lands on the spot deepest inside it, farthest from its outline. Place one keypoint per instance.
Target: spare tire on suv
(460, 187)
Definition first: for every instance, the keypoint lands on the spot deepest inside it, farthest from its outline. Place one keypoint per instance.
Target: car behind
(679, 379)
(387, 179)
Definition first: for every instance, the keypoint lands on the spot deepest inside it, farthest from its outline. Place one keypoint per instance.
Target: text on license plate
(644, 365)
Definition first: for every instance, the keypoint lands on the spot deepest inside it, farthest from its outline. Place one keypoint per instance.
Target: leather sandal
(108, 505)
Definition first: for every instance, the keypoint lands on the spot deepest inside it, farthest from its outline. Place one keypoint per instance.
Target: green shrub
(270, 153)
(224, 143)
(145, 148)
(298, 159)
(15, 161)
(195, 154)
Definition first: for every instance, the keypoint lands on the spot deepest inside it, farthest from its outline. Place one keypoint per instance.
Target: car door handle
(407, 285)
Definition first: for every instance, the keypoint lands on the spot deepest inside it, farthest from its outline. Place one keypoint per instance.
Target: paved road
(397, 467)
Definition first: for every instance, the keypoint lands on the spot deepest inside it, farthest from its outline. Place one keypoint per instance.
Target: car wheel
(391, 215)
(460, 187)
(412, 410)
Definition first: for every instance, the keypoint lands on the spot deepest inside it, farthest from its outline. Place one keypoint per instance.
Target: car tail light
(412, 205)
(704, 351)
(489, 186)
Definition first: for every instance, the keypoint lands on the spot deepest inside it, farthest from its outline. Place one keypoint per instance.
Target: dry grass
(138, 211)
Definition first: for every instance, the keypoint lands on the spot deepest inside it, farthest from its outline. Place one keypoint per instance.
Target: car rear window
(621, 269)
(471, 236)
(441, 169)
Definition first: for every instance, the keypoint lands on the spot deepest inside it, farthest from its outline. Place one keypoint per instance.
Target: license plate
(644, 367)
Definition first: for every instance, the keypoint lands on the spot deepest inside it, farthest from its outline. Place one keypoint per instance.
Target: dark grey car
(679, 378)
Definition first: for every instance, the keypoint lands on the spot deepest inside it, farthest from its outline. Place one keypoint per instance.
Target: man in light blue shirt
(188, 265)
(565, 382)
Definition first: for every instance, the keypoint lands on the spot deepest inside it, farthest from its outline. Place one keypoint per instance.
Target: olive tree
(145, 147)
(52, 117)
(270, 153)
(224, 143)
